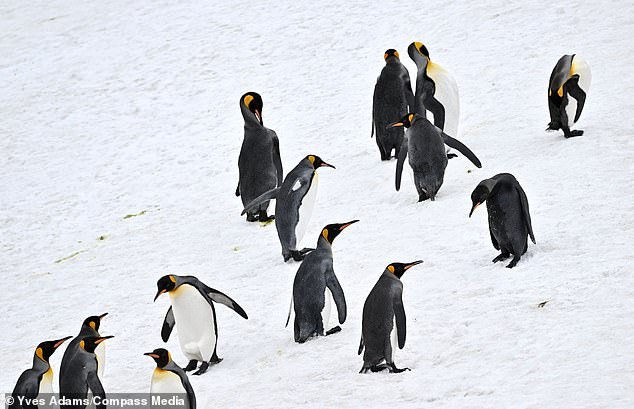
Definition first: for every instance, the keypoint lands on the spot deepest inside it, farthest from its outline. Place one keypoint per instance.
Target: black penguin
(392, 96)
(259, 164)
(509, 218)
(567, 88)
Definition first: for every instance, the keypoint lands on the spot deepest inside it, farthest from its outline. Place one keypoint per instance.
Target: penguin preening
(80, 375)
(38, 379)
(392, 96)
(168, 378)
(436, 91)
(193, 313)
(384, 326)
(509, 217)
(89, 328)
(424, 144)
(314, 285)
(294, 202)
(567, 89)
(259, 163)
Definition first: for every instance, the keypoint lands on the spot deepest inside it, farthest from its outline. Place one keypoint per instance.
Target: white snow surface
(114, 108)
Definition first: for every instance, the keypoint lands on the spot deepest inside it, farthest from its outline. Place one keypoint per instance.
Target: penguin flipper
(493, 240)
(361, 345)
(214, 295)
(402, 154)
(460, 147)
(290, 308)
(238, 189)
(28, 387)
(168, 325)
(337, 294)
(277, 160)
(399, 313)
(271, 194)
(188, 388)
(525, 212)
(436, 108)
(577, 93)
(97, 388)
(409, 95)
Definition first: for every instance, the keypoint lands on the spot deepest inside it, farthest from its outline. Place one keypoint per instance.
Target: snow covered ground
(114, 108)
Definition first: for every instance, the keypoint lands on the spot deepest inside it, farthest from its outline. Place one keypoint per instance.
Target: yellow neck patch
(40, 354)
(247, 100)
(391, 268)
(418, 46)
(82, 344)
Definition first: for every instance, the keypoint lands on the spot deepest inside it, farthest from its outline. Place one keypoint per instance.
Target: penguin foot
(191, 365)
(333, 330)
(394, 369)
(513, 262)
(264, 218)
(203, 368)
(378, 368)
(215, 359)
(451, 155)
(573, 133)
(306, 250)
(251, 217)
(296, 255)
(501, 257)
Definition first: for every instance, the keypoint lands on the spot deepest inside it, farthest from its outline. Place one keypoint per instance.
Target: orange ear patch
(311, 158)
(324, 233)
(40, 353)
(172, 279)
(247, 100)
(391, 268)
(411, 117)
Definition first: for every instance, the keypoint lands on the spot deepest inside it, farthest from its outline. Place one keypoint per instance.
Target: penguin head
(89, 344)
(406, 121)
(253, 102)
(398, 269)
(46, 348)
(165, 284)
(331, 231)
(391, 53)
(417, 49)
(161, 356)
(479, 196)
(317, 162)
(94, 321)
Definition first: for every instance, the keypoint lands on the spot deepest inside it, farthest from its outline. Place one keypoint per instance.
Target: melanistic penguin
(259, 163)
(509, 217)
(80, 374)
(392, 96)
(425, 143)
(294, 202)
(567, 89)
(315, 285)
(38, 379)
(168, 378)
(194, 314)
(436, 92)
(89, 328)
(384, 320)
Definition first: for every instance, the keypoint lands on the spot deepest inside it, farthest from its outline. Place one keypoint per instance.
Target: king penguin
(383, 321)
(89, 328)
(436, 91)
(38, 379)
(314, 285)
(567, 89)
(193, 313)
(509, 217)
(392, 96)
(169, 378)
(80, 375)
(259, 163)
(425, 143)
(293, 205)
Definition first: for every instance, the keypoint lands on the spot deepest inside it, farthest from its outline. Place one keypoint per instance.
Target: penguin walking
(168, 378)
(89, 328)
(436, 92)
(314, 285)
(567, 89)
(38, 379)
(194, 314)
(259, 163)
(384, 320)
(509, 217)
(293, 205)
(425, 143)
(392, 96)
(80, 375)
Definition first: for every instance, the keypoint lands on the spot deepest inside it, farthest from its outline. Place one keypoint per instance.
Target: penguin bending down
(80, 375)
(509, 218)
(436, 92)
(259, 163)
(567, 88)
(314, 285)
(194, 314)
(392, 96)
(169, 378)
(294, 202)
(89, 328)
(383, 315)
(38, 379)
(425, 143)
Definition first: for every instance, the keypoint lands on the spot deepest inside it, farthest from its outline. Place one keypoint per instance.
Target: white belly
(394, 340)
(325, 313)
(46, 384)
(306, 210)
(168, 383)
(194, 323)
(571, 110)
(100, 352)
(447, 94)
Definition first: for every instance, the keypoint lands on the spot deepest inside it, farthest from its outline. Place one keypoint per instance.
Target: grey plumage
(259, 163)
(89, 328)
(164, 362)
(569, 79)
(508, 214)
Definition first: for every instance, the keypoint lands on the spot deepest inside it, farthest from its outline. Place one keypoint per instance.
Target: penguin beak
(410, 265)
(475, 206)
(395, 124)
(101, 339)
(327, 164)
(258, 115)
(102, 316)
(60, 342)
(347, 224)
(151, 354)
(158, 294)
